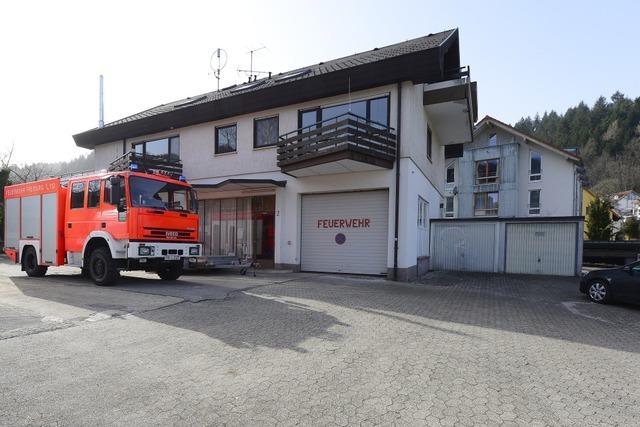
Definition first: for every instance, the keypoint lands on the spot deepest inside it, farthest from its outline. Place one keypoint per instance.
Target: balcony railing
(347, 136)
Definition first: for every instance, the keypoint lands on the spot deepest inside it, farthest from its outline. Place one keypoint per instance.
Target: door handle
(69, 225)
(103, 225)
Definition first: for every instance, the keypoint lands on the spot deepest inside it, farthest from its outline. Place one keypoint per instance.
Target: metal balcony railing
(347, 132)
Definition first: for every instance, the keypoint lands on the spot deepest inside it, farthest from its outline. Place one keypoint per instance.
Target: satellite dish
(217, 62)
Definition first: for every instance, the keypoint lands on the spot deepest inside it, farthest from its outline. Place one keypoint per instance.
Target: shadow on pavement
(200, 304)
(531, 305)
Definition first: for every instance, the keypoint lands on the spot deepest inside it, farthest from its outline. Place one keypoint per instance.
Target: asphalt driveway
(286, 349)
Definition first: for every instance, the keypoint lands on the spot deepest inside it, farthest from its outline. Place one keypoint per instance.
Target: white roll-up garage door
(541, 248)
(345, 232)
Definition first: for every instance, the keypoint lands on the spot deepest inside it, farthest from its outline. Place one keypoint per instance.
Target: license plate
(172, 257)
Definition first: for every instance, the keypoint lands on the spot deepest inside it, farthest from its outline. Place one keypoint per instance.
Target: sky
(528, 57)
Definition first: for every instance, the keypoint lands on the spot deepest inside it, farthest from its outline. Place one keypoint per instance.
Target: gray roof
(374, 55)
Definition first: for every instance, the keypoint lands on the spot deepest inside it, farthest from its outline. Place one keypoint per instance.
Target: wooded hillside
(607, 135)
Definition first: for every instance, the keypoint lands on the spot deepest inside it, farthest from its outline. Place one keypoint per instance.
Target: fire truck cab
(103, 223)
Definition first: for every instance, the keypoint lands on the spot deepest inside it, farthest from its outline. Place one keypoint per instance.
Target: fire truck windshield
(155, 194)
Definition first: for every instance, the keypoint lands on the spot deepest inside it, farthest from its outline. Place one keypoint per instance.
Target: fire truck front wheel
(170, 272)
(30, 263)
(102, 267)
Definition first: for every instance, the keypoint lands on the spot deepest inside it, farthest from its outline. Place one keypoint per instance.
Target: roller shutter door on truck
(345, 232)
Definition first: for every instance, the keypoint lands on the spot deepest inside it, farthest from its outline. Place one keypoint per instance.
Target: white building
(627, 203)
(506, 173)
(335, 167)
(512, 205)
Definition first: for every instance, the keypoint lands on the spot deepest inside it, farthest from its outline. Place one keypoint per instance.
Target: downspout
(397, 207)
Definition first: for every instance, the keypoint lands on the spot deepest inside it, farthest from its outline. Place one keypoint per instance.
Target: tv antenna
(220, 56)
(253, 74)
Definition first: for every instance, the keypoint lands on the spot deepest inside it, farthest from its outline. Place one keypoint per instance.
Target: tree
(607, 135)
(631, 228)
(599, 223)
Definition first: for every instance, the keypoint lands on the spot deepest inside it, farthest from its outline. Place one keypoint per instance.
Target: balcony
(346, 143)
(452, 106)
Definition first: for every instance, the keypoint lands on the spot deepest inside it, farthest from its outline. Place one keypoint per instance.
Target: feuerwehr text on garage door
(345, 232)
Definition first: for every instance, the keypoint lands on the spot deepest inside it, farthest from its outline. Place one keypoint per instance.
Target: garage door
(345, 232)
(460, 246)
(541, 248)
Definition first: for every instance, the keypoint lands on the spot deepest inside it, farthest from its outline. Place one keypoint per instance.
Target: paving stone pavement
(459, 349)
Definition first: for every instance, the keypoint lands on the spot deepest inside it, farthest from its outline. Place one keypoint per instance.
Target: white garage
(541, 245)
(345, 232)
(464, 246)
(541, 248)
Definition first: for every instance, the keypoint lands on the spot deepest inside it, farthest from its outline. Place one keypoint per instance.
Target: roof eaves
(559, 150)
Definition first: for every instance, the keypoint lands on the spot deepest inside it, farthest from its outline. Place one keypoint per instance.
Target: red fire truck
(138, 215)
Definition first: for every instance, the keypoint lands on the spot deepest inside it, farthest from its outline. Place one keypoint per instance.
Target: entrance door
(263, 229)
(239, 227)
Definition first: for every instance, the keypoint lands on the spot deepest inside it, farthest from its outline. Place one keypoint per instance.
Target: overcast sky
(527, 56)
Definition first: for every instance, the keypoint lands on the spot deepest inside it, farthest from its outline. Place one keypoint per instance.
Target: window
(265, 132)
(423, 227)
(535, 166)
(107, 191)
(423, 212)
(166, 149)
(93, 195)
(226, 139)
(492, 140)
(534, 202)
(429, 142)
(486, 204)
(449, 211)
(77, 195)
(156, 194)
(487, 171)
(375, 110)
(451, 174)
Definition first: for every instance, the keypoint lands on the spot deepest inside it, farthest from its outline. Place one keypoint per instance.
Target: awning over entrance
(241, 184)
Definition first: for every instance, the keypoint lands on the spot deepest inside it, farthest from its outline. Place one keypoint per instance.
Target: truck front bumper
(163, 251)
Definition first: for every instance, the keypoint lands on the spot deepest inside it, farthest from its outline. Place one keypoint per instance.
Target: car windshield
(156, 194)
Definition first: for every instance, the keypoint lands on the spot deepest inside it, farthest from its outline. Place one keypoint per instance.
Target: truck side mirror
(122, 204)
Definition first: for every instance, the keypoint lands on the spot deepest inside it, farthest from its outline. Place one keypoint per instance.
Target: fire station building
(334, 167)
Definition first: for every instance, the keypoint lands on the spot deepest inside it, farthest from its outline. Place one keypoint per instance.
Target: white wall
(413, 184)
(560, 193)
(414, 137)
(557, 195)
(106, 153)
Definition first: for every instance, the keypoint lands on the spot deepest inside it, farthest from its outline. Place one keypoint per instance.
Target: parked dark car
(620, 284)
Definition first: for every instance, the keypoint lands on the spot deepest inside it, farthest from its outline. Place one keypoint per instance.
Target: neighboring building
(512, 204)
(335, 167)
(627, 203)
(507, 174)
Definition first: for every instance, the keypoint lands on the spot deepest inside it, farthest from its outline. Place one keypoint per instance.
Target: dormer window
(493, 140)
(535, 166)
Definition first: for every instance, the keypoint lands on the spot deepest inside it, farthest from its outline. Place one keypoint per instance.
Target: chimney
(101, 107)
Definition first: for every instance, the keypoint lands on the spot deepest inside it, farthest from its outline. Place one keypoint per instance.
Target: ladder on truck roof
(147, 163)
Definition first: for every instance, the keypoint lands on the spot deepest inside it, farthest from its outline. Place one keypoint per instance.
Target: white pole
(101, 118)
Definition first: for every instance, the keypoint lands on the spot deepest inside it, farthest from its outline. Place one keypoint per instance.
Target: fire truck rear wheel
(170, 272)
(102, 268)
(30, 264)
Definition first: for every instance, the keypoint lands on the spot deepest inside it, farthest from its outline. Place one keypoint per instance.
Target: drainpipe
(397, 207)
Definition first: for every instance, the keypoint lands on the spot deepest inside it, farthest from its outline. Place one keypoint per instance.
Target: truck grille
(168, 234)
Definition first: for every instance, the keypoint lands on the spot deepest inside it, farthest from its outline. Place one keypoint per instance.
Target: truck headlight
(194, 250)
(145, 250)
